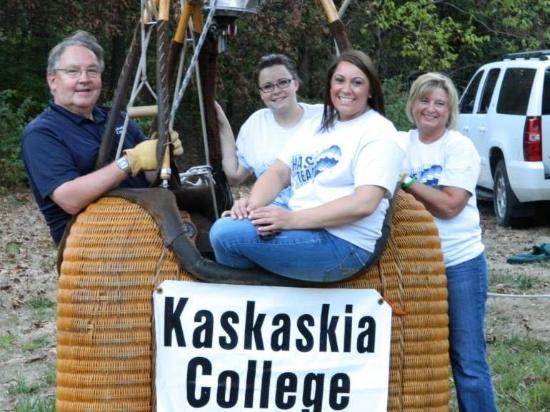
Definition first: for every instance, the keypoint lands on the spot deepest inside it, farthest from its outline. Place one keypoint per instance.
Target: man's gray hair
(79, 38)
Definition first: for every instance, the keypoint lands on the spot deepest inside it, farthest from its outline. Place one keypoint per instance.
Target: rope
(158, 267)
(401, 292)
(505, 295)
(156, 279)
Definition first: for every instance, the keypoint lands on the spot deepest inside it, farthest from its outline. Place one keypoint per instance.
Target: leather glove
(175, 142)
(142, 157)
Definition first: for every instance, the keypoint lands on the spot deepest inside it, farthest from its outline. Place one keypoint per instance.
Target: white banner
(265, 348)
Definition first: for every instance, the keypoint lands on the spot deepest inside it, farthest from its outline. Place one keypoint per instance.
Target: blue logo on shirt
(429, 175)
(307, 167)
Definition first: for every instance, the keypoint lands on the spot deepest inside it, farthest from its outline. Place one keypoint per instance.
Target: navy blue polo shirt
(59, 146)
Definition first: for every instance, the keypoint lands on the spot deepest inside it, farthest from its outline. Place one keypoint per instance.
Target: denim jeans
(467, 285)
(313, 255)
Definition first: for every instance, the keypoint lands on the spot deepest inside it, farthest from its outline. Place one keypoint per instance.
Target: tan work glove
(175, 142)
(143, 157)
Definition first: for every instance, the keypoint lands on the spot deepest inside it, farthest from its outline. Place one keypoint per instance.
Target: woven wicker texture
(114, 256)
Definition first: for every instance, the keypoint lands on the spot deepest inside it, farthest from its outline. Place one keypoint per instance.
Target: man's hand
(143, 157)
(175, 142)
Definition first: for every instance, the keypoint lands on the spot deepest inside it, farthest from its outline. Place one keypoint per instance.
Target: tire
(508, 209)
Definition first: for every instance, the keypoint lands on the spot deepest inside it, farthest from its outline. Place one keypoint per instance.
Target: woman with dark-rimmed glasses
(267, 130)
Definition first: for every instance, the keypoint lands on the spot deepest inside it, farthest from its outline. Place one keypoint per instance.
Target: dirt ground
(28, 278)
(509, 316)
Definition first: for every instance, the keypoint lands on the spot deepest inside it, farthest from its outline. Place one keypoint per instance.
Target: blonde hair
(425, 85)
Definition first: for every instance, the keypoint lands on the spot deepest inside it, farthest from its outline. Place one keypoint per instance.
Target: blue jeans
(313, 255)
(467, 285)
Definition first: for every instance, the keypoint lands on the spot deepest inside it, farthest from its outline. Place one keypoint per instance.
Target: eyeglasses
(269, 87)
(75, 73)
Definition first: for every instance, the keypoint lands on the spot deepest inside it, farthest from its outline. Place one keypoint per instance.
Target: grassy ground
(521, 374)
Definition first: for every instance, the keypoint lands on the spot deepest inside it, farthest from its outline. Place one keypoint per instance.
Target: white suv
(505, 111)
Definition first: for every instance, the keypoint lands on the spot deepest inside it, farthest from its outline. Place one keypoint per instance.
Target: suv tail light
(532, 139)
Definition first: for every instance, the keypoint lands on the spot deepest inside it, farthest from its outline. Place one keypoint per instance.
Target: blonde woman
(443, 167)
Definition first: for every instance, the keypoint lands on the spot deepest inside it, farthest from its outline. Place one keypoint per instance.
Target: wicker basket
(114, 255)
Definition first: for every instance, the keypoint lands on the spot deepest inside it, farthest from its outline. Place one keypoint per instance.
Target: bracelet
(408, 181)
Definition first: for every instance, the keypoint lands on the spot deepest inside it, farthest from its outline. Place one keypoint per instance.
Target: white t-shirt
(261, 139)
(452, 160)
(329, 165)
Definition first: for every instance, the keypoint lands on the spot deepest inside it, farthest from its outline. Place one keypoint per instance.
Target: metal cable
(140, 78)
(193, 62)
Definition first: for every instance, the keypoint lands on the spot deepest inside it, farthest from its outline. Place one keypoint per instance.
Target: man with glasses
(60, 146)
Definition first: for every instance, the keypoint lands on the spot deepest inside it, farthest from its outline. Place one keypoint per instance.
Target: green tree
(404, 38)
(13, 116)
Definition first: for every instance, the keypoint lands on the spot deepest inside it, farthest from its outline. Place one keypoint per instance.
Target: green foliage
(30, 28)
(35, 405)
(403, 37)
(420, 36)
(521, 374)
(13, 118)
(519, 24)
(43, 307)
(395, 96)
(510, 279)
(523, 282)
(21, 386)
(50, 374)
(35, 343)
(6, 340)
(41, 302)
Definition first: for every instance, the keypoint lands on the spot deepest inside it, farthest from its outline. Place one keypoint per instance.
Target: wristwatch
(123, 164)
(408, 181)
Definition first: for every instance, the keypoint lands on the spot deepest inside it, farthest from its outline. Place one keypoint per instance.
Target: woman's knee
(216, 232)
(227, 231)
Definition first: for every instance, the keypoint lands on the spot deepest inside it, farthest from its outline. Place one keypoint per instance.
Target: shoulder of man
(45, 120)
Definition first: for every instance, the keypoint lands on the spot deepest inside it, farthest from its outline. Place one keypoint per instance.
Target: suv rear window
(515, 91)
(469, 97)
